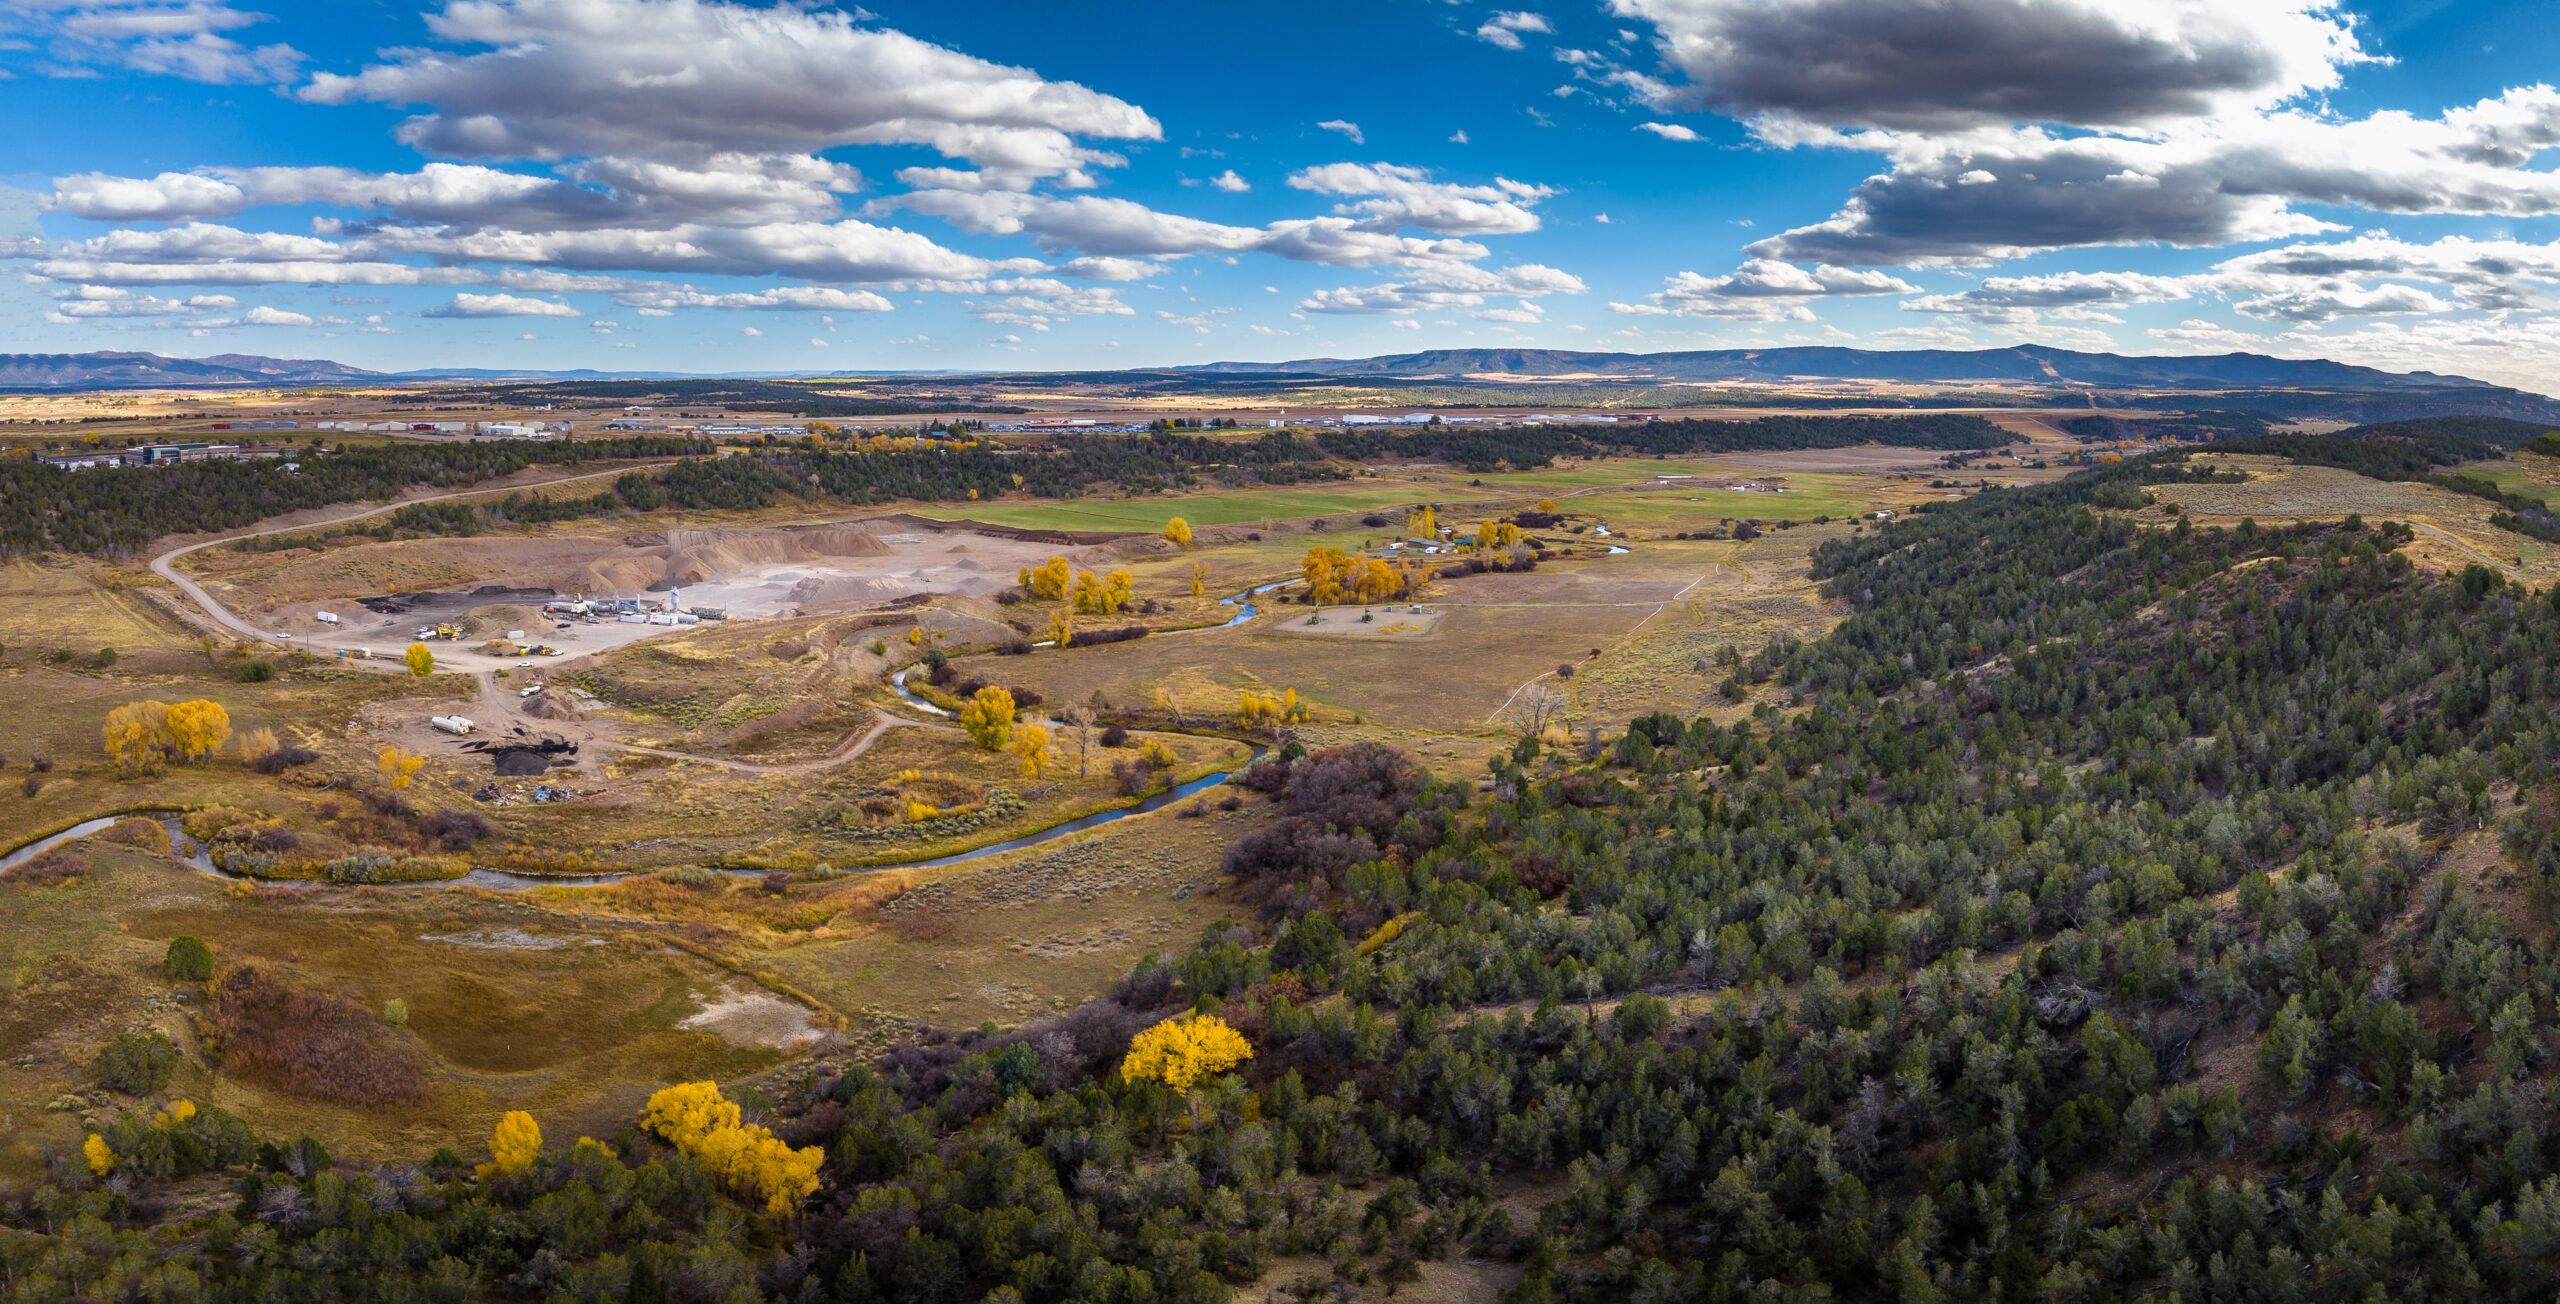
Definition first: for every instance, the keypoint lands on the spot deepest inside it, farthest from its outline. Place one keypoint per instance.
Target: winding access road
(165, 565)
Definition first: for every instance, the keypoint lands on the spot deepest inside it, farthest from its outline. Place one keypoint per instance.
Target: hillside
(2104, 910)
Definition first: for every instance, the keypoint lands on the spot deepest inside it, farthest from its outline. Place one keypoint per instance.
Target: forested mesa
(2087, 934)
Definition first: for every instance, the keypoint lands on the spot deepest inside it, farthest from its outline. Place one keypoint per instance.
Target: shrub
(363, 865)
(1564, 670)
(51, 869)
(1134, 777)
(145, 834)
(102, 659)
(137, 1063)
(311, 1044)
(1096, 637)
(283, 758)
(456, 830)
(188, 959)
(255, 670)
(31, 785)
(1115, 736)
(40, 764)
(395, 1012)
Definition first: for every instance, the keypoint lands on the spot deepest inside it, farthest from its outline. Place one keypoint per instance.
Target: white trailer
(325, 617)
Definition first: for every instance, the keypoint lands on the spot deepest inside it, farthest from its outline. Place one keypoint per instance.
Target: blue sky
(698, 186)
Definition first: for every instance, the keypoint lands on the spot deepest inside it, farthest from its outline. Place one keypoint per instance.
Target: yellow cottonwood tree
(989, 718)
(422, 661)
(1030, 742)
(397, 764)
(1048, 579)
(199, 728)
(102, 1160)
(1199, 578)
(696, 1119)
(1371, 580)
(1180, 1053)
(137, 737)
(1061, 630)
(1323, 569)
(1178, 531)
(516, 1142)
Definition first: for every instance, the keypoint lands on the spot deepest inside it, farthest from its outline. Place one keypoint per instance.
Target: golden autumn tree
(1181, 1053)
(1178, 532)
(696, 1119)
(1547, 505)
(1423, 524)
(198, 729)
(137, 737)
(422, 661)
(1199, 578)
(1030, 744)
(1062, 631)
(1323, 569)
(1256, 709)
(1371, 580)
(516, 1143)
(1117, 591)
(397, 764)
(102, 1160)
(1048, 579)
(989, 718)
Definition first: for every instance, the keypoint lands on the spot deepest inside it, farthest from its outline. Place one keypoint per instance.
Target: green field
(2529, 475)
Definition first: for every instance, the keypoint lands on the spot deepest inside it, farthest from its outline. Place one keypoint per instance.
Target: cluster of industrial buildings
(162, 455)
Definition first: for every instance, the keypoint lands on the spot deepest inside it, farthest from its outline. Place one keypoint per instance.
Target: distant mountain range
(2025, 364)
(2276, 387)
(150, 370)
(25, 371)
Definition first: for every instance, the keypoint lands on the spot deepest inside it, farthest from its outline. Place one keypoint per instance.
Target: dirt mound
(522, 765)
(696, 556)
(549, 706)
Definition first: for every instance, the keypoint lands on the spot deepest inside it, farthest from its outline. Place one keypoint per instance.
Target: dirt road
(165, 565)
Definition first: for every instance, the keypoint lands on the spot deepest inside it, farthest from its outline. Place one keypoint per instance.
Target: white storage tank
(515, 636)
(452, 724)
(635, 619)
